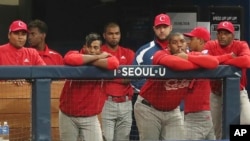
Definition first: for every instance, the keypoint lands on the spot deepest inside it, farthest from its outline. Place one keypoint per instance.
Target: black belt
(145, 102)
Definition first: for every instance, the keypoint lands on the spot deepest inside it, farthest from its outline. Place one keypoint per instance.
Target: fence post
(231, 104)
(41, 122)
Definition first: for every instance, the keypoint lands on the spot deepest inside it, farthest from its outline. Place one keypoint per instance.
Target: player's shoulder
(211, 44)
(126, 50)
(162, 52)
(240, 42)
(2, 47)
(53, 52)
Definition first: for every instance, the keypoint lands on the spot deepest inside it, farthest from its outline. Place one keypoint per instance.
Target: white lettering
(174, 84)
(124, 71)
(139, 71)
(162, 71)
(130, 71)
(240, 132)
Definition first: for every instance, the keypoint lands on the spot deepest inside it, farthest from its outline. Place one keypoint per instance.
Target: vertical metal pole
(231, 104)
(41, 127)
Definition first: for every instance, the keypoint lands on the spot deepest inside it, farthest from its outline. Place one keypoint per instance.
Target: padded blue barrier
(43, 75)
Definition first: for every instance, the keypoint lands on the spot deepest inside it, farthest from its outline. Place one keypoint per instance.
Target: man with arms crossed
(197, 120)
(82, 100)
(238, 55)
(157, 111)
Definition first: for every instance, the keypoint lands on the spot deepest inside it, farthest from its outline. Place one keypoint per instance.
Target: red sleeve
(223, 58)
(240, 61)
(39, 61)
(243, 56)
(73, 58)
(37, 58)
(204, 61)
(113, 63)
(243, 49)
(173, 62)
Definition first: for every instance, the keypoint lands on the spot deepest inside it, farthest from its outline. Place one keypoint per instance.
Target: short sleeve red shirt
(9, 55)
(51, 57)
(125, 57)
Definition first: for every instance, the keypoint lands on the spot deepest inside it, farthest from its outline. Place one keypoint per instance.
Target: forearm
(79, 59)
(223, 58)
(109, 63)
(240, 61)
(204, 61)
(177, 63)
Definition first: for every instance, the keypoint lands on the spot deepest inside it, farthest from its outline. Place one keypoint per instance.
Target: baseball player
(157, 111)
(238, 55)
(82, 100)
(144, 55)
(117, 111)
(37, 35)
(197, 120)
(14, 52)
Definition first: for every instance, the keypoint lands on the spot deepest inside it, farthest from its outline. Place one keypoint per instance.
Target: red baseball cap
(18, 25)
(199, 32)
(162, 19)
(226, 25)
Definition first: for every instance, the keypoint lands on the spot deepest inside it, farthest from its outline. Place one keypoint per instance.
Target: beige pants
(216, 111)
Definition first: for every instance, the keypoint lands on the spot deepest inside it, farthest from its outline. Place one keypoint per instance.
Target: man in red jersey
(117, 112)
(157, 111)
(37, 35)
(82, 100)
(14, 52)
(238, 55)
(197, 120)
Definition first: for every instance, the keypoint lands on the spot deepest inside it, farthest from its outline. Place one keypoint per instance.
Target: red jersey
(167, 94)
(240, 49)
(82, 97)
(198, 97)
(9, 55)
(51, 57)
(125, 57)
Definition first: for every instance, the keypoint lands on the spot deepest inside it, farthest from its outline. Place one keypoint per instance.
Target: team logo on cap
(20, 23)
(225, 24)
(162, 18)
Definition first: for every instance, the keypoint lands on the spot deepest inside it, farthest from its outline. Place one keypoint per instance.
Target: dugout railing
(42, 76)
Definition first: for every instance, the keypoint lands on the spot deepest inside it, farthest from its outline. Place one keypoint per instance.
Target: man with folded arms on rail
(82, 100)
(197, 115)
(239, 56)
(157, 111)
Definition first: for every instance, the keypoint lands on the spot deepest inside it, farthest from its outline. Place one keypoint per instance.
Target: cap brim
(19, 29)
(225, 29)
(188, 34)
(162, 24)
